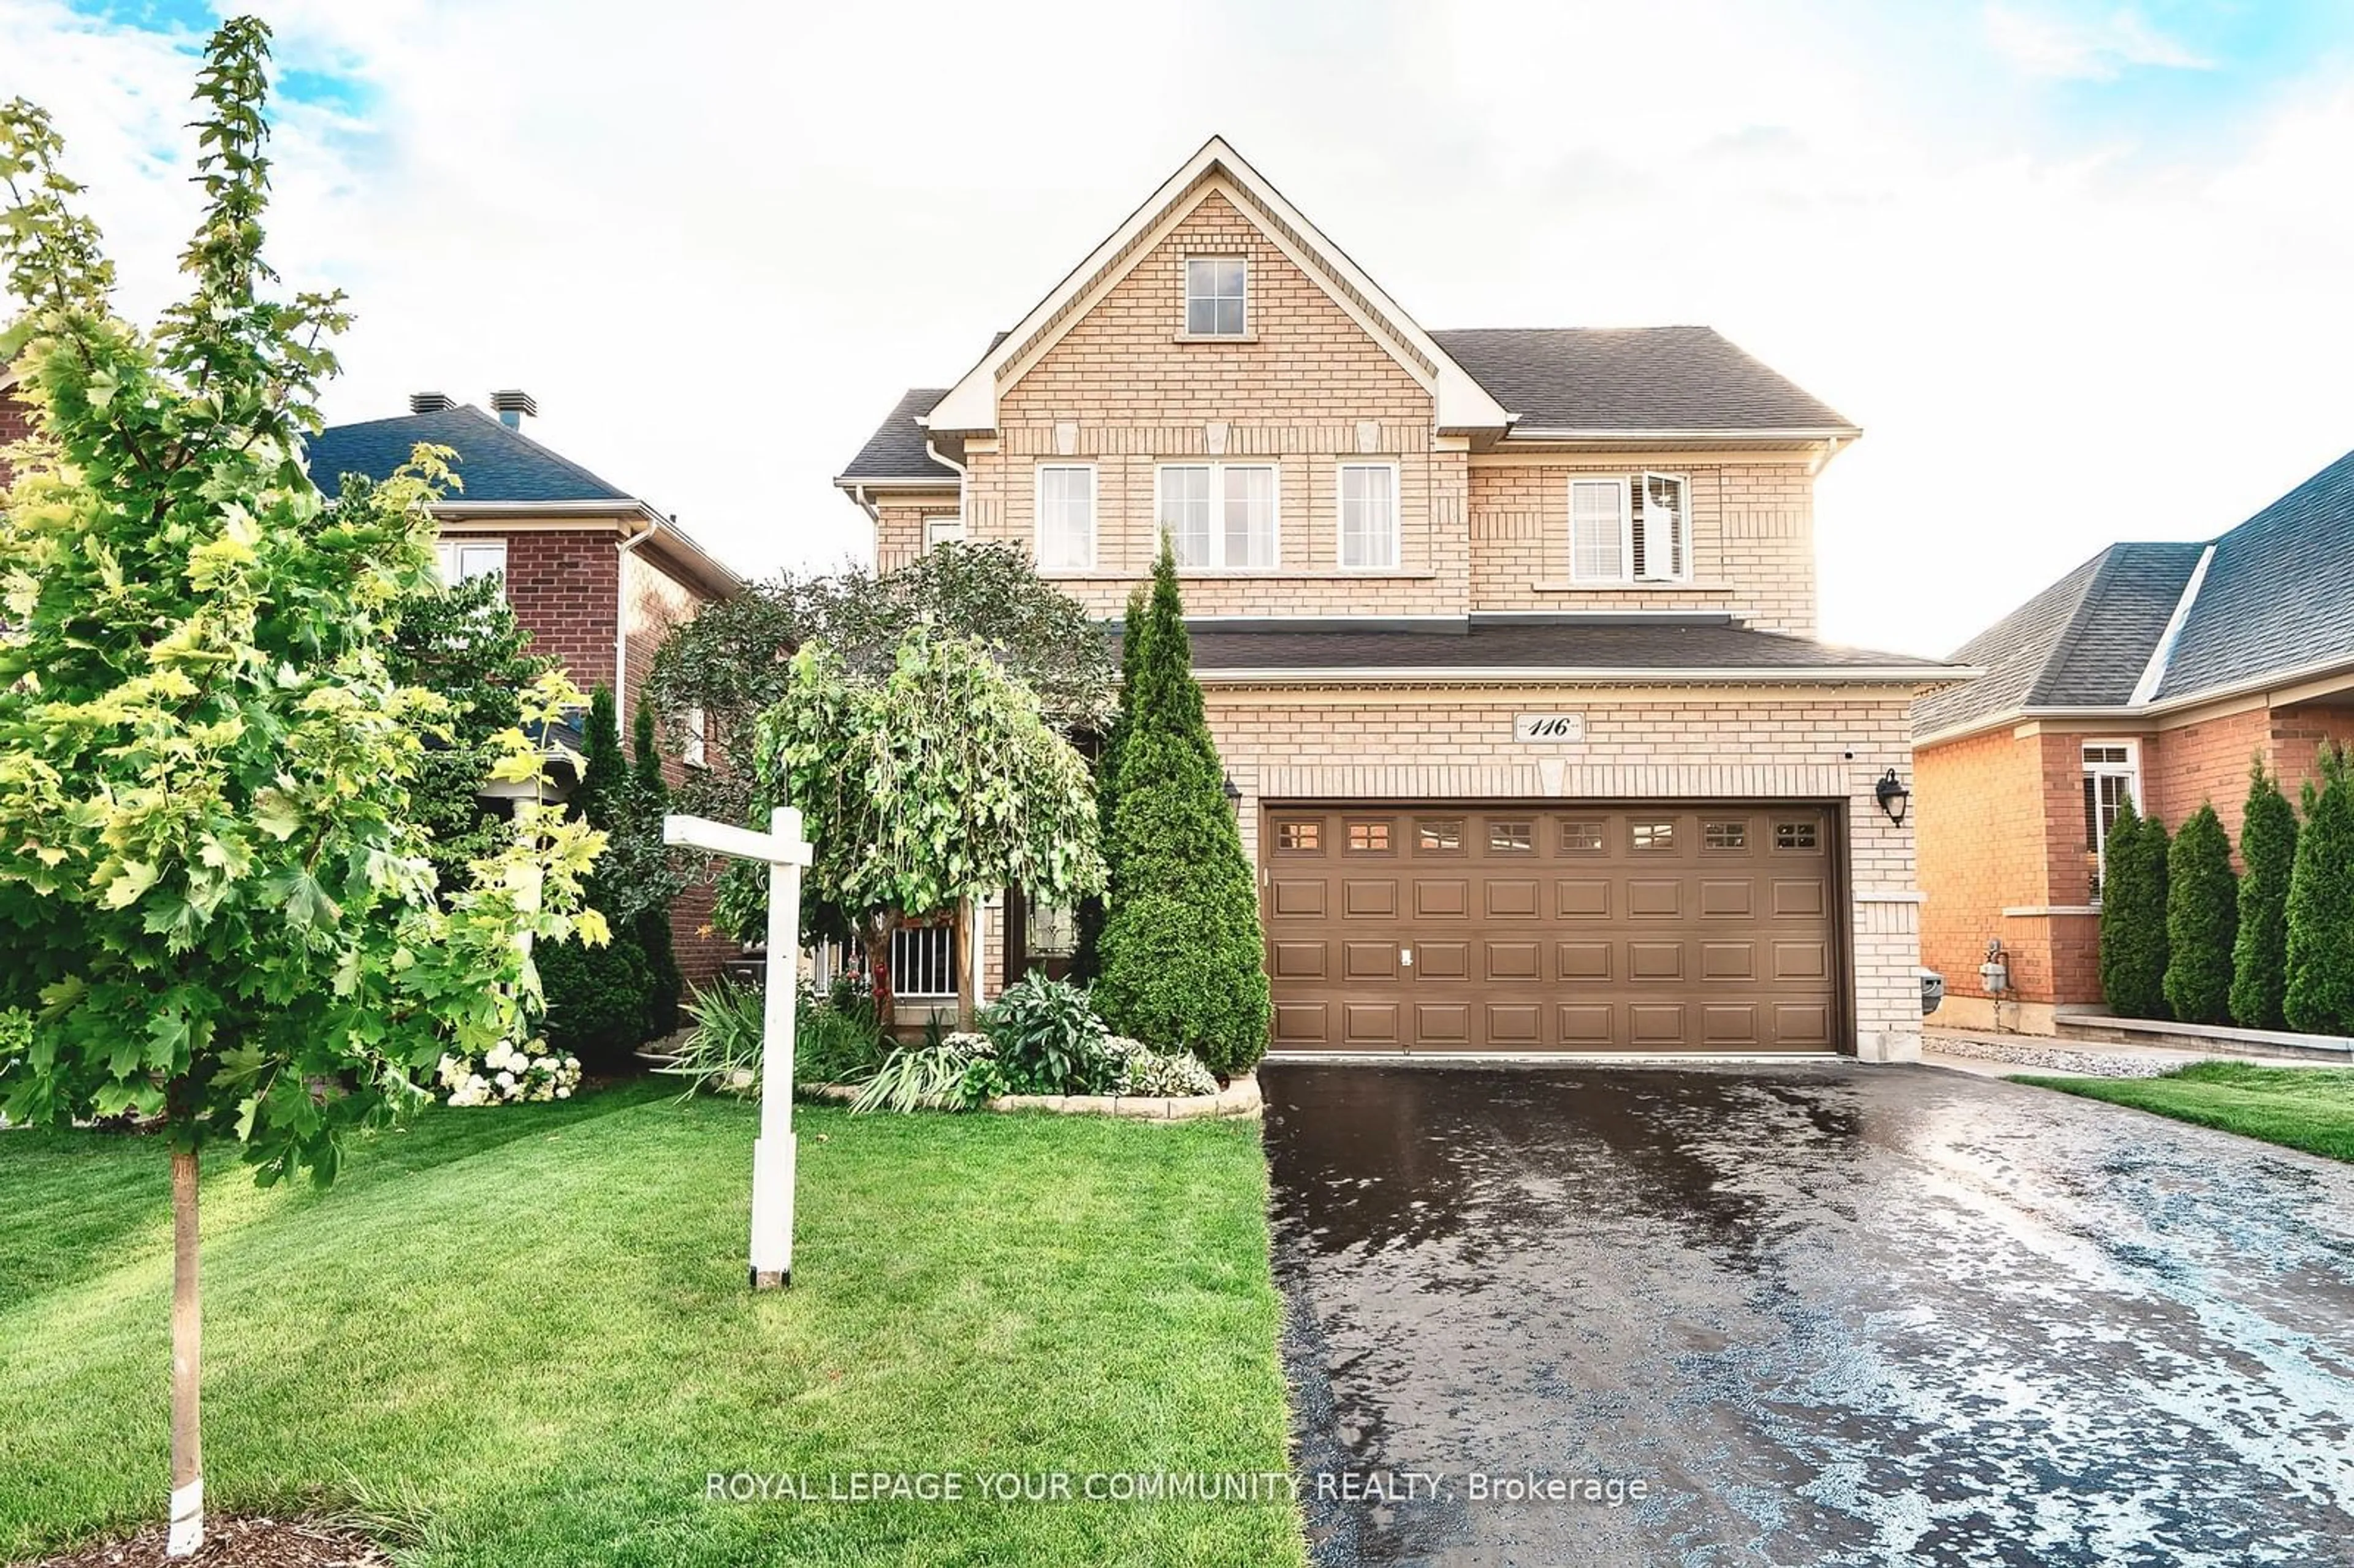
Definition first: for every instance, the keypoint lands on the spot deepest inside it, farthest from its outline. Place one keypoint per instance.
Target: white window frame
(1217, 471)
(942, 528)
(2130, 771)
(450, 556)
(1341, 517)
(1186, 295)
(1038, 516)
(1626, 528)
(691, 751)
(1679, 542)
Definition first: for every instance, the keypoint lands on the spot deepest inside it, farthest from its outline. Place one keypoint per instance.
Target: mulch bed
(234, 1543)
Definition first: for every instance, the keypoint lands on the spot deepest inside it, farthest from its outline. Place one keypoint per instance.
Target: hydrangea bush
(508, 1073)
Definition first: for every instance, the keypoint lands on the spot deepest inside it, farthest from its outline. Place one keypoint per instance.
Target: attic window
(1632, 530)
(1217, 291)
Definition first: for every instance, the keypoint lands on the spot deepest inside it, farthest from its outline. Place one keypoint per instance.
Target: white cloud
(2096, 49)
(718, 243)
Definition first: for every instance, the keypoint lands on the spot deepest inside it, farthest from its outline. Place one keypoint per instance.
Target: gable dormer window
(1216, 296)
(1632, 530)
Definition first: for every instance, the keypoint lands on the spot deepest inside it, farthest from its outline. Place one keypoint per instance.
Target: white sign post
(785, 852)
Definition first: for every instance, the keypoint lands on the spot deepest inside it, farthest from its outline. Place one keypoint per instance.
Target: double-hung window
(1219, 516)
(1369, 523)
(1067, 517)
(1217, 290)
(1632, 530)
(2112, 777)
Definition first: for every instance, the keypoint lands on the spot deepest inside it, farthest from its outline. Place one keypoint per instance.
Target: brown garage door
(1483, 927)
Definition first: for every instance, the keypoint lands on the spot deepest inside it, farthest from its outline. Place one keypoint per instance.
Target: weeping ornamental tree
(2260, 952)
(2320, 995)
(215, 896)
(2133, 917)
(1181, 967)
(2202, 918)
(924, 789)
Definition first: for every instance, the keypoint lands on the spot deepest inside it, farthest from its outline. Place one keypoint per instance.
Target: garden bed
(1239, 1099)
(234, 1543)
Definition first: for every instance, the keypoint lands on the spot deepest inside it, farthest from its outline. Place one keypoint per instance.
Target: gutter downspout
(932, 451)
(621, 553)
(874, 522)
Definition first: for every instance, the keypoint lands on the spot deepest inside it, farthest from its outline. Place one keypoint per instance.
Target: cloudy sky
(2082, 271)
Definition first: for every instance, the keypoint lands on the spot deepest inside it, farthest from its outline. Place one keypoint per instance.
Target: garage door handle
(1405, 957)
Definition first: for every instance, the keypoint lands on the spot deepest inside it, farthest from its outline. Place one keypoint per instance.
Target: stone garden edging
(1239, 1099)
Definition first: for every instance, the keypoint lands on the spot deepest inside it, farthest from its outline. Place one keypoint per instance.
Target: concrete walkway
(1993, 1055)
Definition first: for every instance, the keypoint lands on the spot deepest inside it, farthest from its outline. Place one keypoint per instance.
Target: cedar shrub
(2133, 917)
(599, 1000)
(2260, 953)
(652, 924)
(2320, 995)
(1086, 963)
(1180, 946)
(2203, 919)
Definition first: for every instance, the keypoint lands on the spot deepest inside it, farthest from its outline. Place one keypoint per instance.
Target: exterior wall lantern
(1892, 796)
(1234, 796)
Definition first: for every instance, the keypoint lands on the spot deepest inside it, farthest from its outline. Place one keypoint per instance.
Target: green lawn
(2311, 1108)
(529, 1326)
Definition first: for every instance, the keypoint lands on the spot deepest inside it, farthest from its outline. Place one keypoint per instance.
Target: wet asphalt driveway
(1823, 1313)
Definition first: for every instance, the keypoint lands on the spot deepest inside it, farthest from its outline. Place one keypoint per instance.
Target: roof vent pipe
(512, 406)
(427, 402)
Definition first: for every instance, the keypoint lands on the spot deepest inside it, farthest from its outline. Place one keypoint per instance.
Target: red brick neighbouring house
(15, 419)
(596, 575)
(2161, 672)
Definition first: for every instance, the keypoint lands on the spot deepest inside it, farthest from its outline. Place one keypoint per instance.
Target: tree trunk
(187, 1529)
(878, 967)
(968, 931)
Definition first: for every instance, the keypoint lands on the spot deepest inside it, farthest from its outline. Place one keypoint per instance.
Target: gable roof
(1461, 402)
(1671, 378)
(895, 454)
(495, 464)
(2148, 626)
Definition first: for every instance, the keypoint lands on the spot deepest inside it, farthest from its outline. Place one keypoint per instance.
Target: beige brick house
(1506, 637)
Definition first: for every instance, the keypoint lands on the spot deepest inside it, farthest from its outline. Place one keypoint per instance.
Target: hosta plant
(1049, 1040)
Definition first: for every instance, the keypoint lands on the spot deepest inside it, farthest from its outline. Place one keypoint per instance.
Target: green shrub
(1180, 951)
(834, 1040)
(596, 998)
(1138, 1070)
(2203, 918)
(1048, 1040)
(2260, 953)
(652, 924)
(2133, 917)
(2320, 993)
(1087, 961)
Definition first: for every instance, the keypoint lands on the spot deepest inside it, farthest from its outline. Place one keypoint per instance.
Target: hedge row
(2269, 948)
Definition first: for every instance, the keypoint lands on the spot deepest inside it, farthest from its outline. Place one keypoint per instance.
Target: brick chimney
(513, 406)
(427, 402)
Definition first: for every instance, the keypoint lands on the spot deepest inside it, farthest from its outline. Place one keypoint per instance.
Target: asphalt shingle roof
(1632, 378)
(896, 450)
(494, 462)
(1635, 378)
(1534, 644)
(2278, 596)
(2082, 643)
